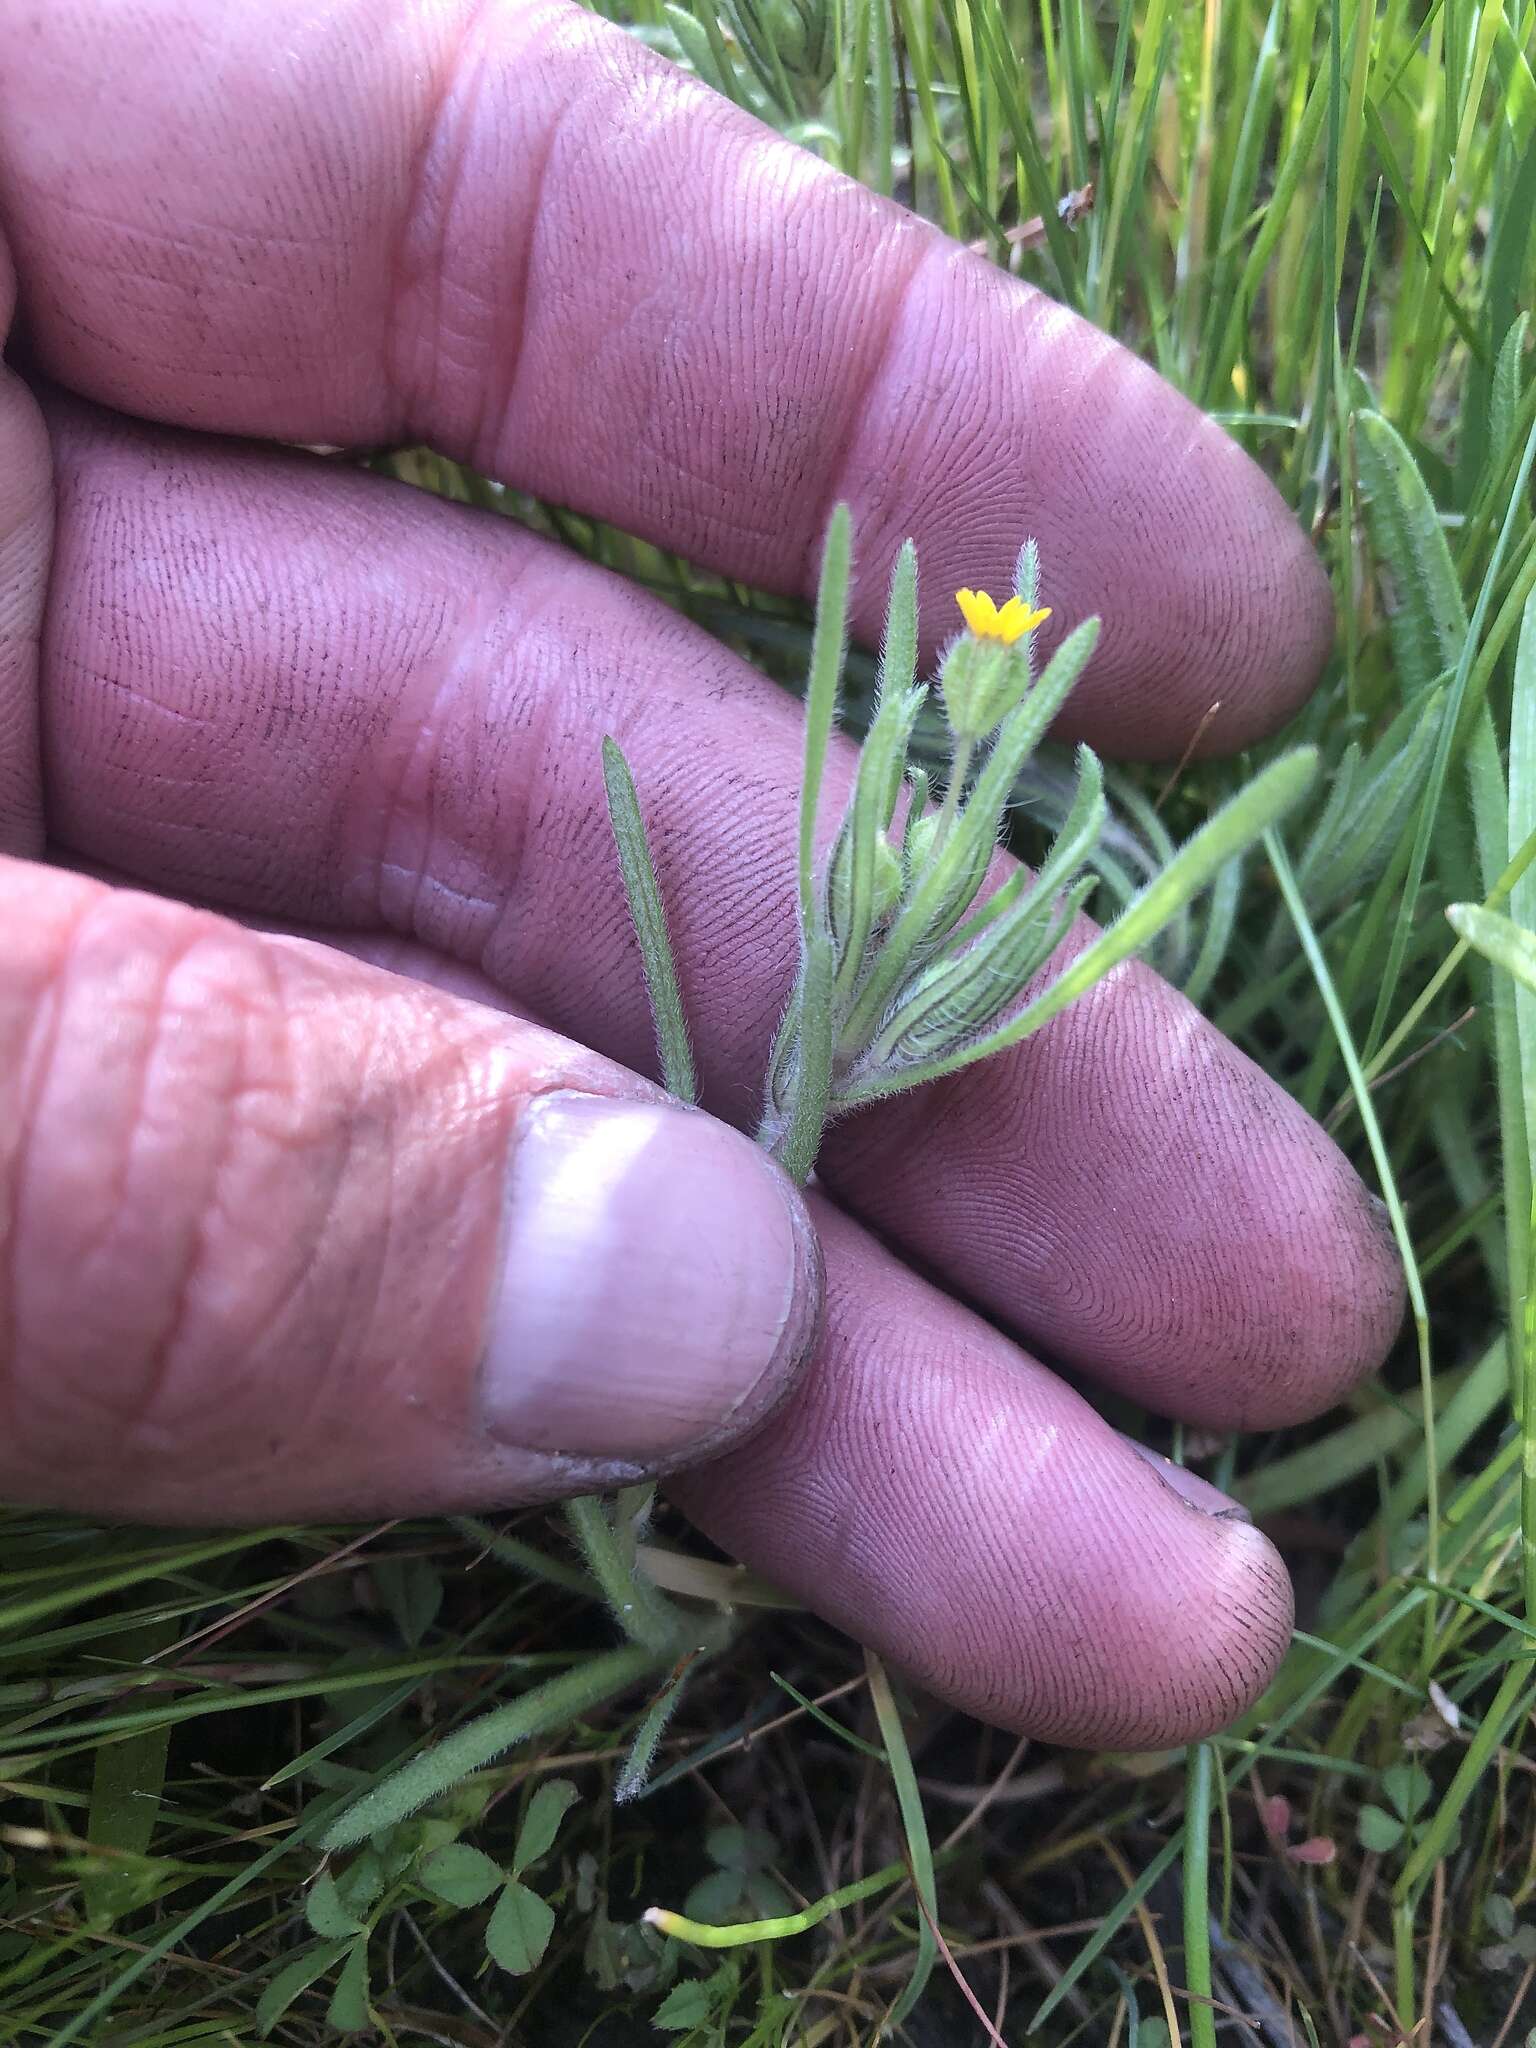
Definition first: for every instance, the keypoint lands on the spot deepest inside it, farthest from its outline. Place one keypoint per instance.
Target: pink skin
(519, 236)
(313, 698)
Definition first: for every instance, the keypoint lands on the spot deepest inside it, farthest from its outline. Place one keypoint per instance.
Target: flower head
(1007, 624)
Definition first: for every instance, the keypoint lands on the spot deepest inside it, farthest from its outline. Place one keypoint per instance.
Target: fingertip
(1192, 1607)
(1232, 1660)
(1352, 1295)
(1280, 620)
(945, 1499)
(1000, 416)
(659, 1288)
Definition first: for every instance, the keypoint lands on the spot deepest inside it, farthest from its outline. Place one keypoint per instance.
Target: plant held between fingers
(909, 970)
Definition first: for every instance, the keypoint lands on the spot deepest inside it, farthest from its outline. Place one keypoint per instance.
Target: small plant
(1406, 1793)
(421, 1864)
(1514, 1941)
(909, 970)
(742, 1885)
(919, 955)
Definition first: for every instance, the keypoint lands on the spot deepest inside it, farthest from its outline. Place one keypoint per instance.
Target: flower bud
(888, 879)
(981, 681)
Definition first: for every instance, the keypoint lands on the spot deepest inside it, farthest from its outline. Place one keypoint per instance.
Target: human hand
(259, 1190)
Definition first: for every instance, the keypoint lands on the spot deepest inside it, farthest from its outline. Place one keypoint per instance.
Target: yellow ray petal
(1012, 621)
(979, 612)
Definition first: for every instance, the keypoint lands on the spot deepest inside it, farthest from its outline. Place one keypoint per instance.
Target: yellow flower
(1010, 623)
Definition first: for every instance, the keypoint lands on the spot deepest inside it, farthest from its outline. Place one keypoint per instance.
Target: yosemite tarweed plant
(909, 970)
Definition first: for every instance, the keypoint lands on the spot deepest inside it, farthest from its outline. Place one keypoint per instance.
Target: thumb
(283, 1236)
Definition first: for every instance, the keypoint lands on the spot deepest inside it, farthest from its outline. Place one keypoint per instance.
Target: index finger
(512, 231)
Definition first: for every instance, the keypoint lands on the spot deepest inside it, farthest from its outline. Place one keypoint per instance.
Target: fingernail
(660, 1283)
(1189, 1486)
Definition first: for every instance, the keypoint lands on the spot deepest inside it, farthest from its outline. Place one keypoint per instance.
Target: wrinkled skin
(269, 686)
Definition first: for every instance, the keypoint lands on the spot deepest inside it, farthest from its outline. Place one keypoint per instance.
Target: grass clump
(1316, 220)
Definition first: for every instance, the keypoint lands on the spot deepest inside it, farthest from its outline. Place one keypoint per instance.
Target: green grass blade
(915, 1827)
(1510, 1703)
(1199, 1766)
(1382, 1161)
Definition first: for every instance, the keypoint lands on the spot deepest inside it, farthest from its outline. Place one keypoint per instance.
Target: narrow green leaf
(1004, 74)
(1500, 993)
(519, 1929)
(348, 2009)
(705, 53)
(762, 52)
(1429, 619)
(1333, 1009)
(127, 1785)
(828, 643)
(802, 1136)
(541, 1823)
(1357, 1446)
(286, 1986)
(1026, 573)
(1513, 1700)
(1370, 808)
(909, 1800)
(632, 1780)
(460, 1875)
(1497, 938)
(639, 1608)
(470, 1748)
(156, 1563)
(1504, 399)
(955, 999)
(1241, 185)
(522, 1557)
(1126, 175)
(1220, 920)
(650, 921)
(898, 650)
(828, 1721)
(917, 806)
(1521, 823)
(1075, 843)
(861, 851)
